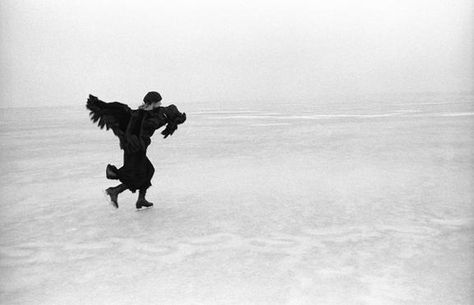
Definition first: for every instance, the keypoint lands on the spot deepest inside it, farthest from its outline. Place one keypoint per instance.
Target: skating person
(134, 129)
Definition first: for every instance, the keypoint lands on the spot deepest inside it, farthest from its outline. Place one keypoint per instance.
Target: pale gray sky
(57, 52)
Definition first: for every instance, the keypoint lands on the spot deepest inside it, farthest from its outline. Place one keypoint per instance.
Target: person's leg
(141, 201)
(146, 183)
(113, 192)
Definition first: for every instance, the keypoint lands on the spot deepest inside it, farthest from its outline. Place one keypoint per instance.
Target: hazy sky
(57, 52)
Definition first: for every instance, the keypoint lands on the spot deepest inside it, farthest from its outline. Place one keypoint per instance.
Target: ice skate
(112, 196)
(143, 203)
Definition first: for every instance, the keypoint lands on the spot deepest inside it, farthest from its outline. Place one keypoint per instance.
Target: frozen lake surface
(367, 204)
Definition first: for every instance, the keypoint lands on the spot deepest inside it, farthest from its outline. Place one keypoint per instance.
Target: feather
(113, 115)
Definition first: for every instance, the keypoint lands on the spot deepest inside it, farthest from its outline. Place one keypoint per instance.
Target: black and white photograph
(240, 152)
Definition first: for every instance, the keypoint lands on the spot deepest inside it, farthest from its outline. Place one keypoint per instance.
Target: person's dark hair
(152, 97)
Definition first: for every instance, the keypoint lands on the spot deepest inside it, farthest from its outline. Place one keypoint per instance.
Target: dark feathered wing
(113, 115)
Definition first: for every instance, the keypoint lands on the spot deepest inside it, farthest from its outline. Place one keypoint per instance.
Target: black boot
(142, 202)
(113, 193)
(111, 172)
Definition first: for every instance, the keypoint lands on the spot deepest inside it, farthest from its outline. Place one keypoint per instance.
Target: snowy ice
(343, 203)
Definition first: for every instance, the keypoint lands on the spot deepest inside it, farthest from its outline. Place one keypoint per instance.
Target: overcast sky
(57, 52)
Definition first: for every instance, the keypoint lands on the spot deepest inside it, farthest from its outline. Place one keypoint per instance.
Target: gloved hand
(173, 125)
(169, 130)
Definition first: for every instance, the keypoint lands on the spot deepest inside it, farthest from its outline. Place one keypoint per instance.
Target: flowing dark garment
(136, 172)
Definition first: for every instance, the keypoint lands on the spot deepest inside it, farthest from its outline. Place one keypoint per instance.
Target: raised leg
(113, 193)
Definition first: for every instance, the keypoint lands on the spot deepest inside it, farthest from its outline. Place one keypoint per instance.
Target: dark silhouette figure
(134, 129)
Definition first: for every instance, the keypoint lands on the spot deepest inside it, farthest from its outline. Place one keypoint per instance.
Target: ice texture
(367, 202)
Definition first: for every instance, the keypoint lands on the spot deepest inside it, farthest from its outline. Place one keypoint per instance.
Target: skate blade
(143, 208)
